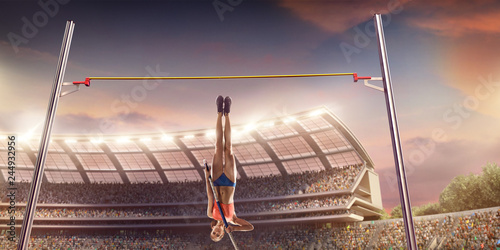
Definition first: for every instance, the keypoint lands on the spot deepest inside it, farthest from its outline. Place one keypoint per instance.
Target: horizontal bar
(214, 77)
(87, 80)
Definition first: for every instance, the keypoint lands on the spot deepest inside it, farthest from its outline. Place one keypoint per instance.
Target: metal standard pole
(396, 142)
(44, 144)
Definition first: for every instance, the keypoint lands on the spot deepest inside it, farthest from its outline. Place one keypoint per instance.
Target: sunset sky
(444, 58)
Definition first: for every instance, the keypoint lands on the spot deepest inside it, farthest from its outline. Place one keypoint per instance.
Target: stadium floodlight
(96, 141)
(249, 127)
(188, 136)
(289, 119)
(269, 124)
(68, 141)
(145, 139)
(24, 138)
(210, 133)
(236, 133)
(316, 113)
(123, 139)
(167, 138)
(29, 134)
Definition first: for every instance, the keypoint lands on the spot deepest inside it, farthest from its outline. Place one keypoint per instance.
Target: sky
(444, 60)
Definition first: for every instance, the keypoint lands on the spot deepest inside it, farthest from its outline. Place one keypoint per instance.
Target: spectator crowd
(159, 201)
(199, 210)
(472, 230)
(466, 230)
(341, 178)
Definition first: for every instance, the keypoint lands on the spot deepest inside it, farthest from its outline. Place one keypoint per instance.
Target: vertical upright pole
(44, 143)
(396, 142)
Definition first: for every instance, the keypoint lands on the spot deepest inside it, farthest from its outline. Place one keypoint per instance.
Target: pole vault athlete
(224, 173)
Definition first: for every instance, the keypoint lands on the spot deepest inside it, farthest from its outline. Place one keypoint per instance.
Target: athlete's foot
(227, 105)
(219, 102)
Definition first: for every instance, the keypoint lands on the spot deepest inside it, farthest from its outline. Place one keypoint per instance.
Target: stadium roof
(307, 141)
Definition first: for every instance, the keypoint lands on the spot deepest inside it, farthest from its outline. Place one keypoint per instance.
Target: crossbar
(106, 78)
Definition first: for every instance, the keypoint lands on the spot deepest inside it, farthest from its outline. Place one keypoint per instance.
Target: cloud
(471, 65)
(26, 53)
(457, 26)
(146, 119)
(83, 123)
(339, 16)
(430, 166)
(447, 18)
(467, 37)
(26, 56)
(454, 18)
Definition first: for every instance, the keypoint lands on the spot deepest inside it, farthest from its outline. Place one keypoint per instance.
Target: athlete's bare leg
(230, 168)
(217, 162)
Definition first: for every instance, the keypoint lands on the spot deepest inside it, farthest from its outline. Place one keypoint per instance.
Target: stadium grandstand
(304, 182)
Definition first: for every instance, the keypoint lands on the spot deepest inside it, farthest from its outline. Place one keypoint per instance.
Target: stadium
(304, 182)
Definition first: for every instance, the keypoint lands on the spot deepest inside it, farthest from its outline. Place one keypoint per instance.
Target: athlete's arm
(210, 195)
(243, 225)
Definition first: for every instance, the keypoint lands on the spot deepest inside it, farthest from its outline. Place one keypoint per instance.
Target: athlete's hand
(229, 228)
(207, 171)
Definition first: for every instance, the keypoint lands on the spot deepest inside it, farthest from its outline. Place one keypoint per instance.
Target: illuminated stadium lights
(249, 127)
(289, 119)
(28, 135)
(210, 133)
(145, 139)
(96, 141)
(235, 133)
(24, 138)
(167, 138)
(188, 136)
(268, 124)
(316, 112)
(70, 141)
(123, 140)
